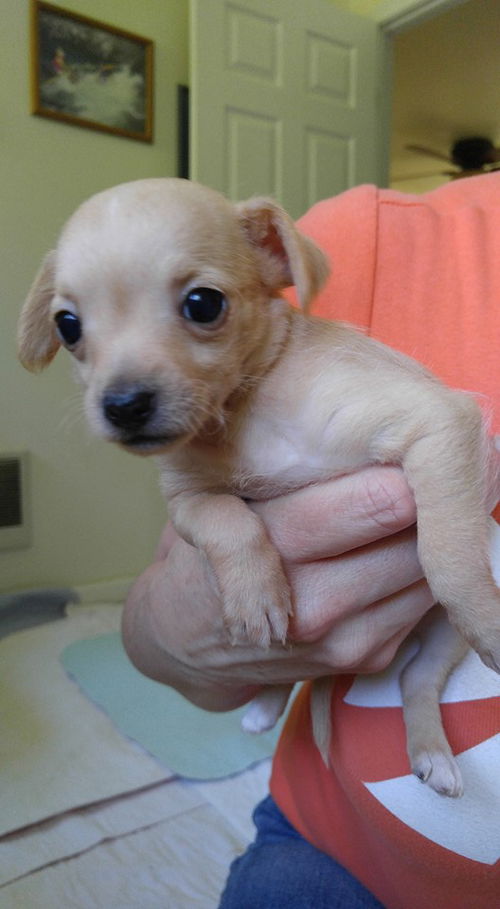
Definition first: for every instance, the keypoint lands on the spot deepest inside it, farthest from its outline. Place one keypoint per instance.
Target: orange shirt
(422, 274)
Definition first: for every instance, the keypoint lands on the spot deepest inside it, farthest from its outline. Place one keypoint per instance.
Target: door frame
(395, 16)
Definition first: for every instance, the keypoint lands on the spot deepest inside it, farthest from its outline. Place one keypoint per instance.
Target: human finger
(368, 641)
(328, 590)
(364, 643)
(342, 514)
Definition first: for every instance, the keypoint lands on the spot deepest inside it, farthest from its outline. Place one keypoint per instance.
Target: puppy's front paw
(260, 615)
(440, 771)
(256, 601)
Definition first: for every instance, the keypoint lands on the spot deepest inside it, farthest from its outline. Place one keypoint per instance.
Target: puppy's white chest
(273, 456)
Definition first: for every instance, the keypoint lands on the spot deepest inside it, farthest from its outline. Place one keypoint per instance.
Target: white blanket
(57, 750)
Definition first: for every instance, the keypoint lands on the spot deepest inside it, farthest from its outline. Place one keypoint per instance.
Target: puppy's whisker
(73, 413)
(206, 412)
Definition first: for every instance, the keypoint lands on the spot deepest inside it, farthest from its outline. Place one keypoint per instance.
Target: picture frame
(90, 74)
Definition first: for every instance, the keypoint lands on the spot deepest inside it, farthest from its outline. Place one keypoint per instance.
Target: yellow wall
(96, 511)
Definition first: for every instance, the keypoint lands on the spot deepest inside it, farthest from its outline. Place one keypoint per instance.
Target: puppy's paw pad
(440, 771)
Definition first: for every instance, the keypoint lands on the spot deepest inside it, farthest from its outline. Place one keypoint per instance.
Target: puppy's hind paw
(266, 708)
(256, 720)
(440, 771)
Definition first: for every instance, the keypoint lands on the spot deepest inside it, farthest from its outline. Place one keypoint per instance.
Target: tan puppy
(168, 298)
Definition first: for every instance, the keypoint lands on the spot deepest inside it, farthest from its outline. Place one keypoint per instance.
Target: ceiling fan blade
(422, 150)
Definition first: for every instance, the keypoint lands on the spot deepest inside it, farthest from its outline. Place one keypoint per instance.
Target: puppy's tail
(321, 699)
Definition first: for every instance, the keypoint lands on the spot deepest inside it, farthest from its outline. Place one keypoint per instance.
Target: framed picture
(90, 74)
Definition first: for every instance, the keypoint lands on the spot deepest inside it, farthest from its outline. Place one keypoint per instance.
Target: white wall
(96, 511)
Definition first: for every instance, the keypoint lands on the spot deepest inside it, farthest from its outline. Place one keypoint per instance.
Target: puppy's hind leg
(422, 682)
(446, 469)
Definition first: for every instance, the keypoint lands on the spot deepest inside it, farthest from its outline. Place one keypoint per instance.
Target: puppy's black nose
(129, 409)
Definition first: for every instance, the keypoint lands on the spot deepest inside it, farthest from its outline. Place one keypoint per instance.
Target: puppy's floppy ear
(37, 341)
(285, 255)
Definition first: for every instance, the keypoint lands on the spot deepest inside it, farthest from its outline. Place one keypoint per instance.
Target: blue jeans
(281, 870)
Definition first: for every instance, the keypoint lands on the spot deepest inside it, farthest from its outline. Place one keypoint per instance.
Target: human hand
(349, 549)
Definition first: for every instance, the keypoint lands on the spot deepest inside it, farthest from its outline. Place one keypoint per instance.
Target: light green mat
(187, 740)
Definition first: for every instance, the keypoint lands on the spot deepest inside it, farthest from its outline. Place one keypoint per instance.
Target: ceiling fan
(471, 156)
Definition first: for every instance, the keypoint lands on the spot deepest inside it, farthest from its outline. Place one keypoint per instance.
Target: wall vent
(15, 523)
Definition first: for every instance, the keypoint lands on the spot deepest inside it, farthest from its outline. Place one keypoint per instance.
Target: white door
(283, 99)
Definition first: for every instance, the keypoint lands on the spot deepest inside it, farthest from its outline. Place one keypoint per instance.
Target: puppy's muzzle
(137, 419)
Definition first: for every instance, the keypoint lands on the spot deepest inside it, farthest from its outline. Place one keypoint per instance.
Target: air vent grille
(11, 512)
(15, 505)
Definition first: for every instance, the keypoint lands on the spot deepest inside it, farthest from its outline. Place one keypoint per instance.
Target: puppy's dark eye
(204, 305)
(69, 327)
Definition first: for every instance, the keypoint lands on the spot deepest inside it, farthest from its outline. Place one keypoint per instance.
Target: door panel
(283, 99)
